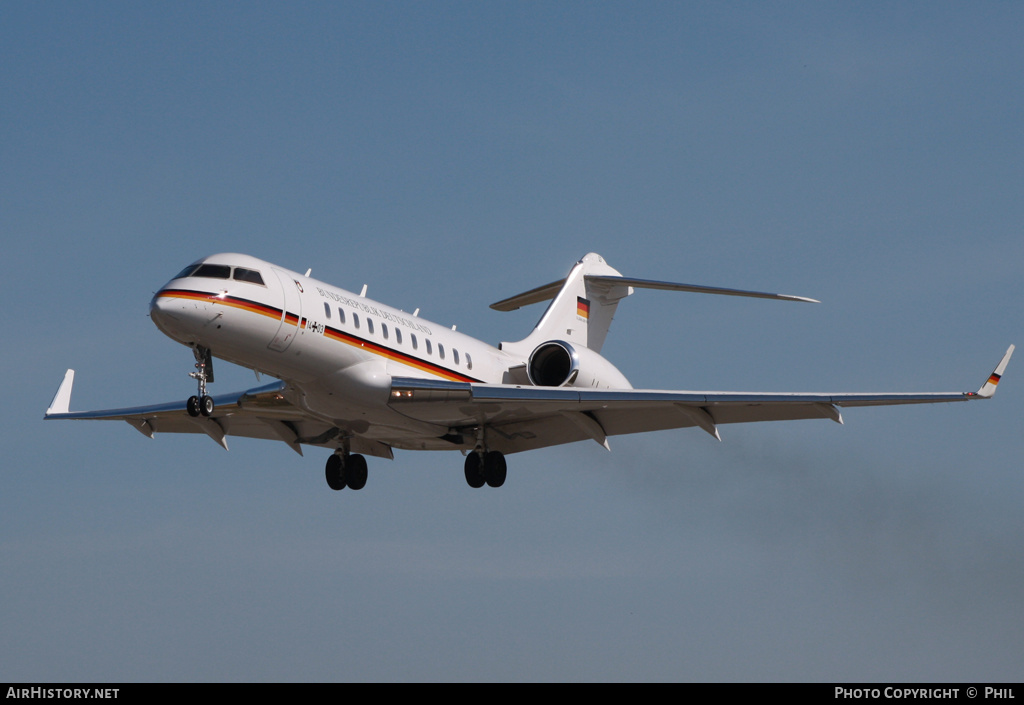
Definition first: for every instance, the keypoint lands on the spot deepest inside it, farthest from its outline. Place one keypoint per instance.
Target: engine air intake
(553, 364)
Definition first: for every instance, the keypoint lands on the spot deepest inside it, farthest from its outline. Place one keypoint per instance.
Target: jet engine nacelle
(557, 363)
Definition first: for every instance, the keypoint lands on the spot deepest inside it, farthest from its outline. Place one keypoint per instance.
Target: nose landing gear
(201, 404)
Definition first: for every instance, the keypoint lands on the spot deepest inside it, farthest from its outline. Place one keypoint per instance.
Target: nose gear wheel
(201, 404)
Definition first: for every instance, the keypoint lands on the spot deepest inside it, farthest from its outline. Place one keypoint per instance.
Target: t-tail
(584, 302)
(582, 307)
(578, 318)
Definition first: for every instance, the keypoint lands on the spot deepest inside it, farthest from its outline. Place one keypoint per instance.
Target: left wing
(261, 412)
(521, 418)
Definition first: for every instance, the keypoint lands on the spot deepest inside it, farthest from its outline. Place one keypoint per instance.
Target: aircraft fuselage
(337, 350)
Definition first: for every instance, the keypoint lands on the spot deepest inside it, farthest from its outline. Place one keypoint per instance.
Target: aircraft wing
(261, 412)
(519, 418)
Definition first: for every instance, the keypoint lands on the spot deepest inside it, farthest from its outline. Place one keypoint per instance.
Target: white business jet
(358, 377)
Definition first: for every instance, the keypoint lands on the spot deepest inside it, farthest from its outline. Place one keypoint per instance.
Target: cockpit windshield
(221, 271)
(213, 271)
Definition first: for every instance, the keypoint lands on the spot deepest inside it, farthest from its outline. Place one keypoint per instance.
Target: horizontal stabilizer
(695, 288)
(549, 291)
(533, 296)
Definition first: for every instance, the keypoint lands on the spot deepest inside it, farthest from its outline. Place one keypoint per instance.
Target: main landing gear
(485, 467)
(349, 470)
(345, 470)
(202, 403)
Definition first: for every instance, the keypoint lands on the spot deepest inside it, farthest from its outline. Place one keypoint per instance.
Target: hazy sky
(449, 155)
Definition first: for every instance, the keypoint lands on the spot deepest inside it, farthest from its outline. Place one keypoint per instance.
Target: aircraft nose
(157, 307)
(165, 313)
(185, 316)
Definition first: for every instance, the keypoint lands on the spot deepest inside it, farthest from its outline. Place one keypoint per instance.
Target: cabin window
(455, 355)
(440, 351)
(355, 320)
(429, 350)
(384, 330)
(398, 335)
(327, 310)
(469, 362)
(249, 275)
(415, 343)
(213, 271)
(369, 324)
(341, 315)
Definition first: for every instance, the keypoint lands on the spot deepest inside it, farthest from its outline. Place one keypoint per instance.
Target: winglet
(989, 388)
(62, 399)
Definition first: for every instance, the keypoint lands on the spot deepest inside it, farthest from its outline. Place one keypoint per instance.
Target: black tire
(206, 406)
(495, 469)
(474, 476)
(192, 406)
(334, 474)
(356, 472)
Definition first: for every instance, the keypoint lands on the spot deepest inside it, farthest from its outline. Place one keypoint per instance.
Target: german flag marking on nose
(582, 307)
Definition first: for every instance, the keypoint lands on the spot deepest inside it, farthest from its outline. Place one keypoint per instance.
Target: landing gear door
(291, 313)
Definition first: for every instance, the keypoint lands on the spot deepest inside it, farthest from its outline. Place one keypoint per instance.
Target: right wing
(519, 418)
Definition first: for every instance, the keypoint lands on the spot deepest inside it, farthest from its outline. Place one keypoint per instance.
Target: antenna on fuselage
(362, 294)
(308, 271)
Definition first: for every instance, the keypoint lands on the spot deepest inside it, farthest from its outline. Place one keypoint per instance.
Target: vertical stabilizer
(582, 310)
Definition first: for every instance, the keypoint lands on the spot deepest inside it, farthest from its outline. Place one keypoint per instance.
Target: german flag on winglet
(989, 388)
(582, 307)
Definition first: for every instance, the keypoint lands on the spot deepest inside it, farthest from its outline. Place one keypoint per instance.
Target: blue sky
(451, 154)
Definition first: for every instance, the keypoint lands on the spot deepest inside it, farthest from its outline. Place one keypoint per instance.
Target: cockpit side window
(187, 271)
(248, 275)
(213, 271)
